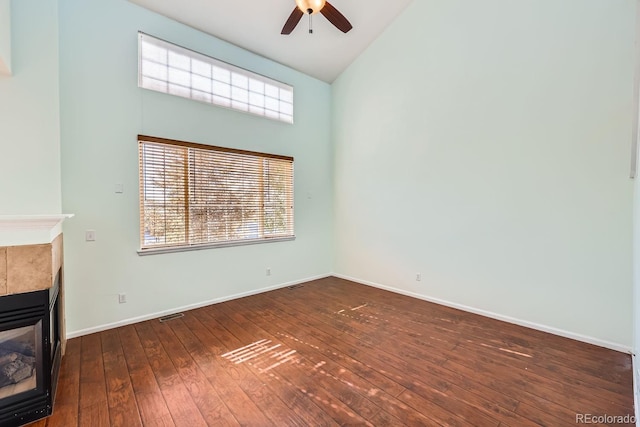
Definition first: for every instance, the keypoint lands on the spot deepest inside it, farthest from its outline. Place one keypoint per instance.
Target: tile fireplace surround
(32, 327)
(30, 252)
(28, 268)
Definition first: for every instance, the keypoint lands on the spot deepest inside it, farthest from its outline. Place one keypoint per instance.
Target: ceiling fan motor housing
(310, 6)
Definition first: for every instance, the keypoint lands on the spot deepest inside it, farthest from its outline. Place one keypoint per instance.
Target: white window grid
(172, 69)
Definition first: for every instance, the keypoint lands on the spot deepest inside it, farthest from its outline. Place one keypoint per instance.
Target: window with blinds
(197, 195)
(172, 69)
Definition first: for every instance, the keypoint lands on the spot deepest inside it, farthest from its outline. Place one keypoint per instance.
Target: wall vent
(171, 317)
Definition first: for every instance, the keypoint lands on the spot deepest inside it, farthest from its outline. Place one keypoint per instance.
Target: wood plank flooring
(333, 352)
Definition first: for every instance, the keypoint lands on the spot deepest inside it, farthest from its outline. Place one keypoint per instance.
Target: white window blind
(194, 195)
(172, 69)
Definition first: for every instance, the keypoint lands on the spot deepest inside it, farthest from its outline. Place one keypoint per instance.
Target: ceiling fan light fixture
(315, 5)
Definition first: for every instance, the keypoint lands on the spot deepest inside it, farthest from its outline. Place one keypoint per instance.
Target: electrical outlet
(418, 277)
(268, 271)
(90, 235)
(122, 298)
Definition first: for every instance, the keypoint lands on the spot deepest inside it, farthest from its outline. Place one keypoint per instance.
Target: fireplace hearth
(30, 353)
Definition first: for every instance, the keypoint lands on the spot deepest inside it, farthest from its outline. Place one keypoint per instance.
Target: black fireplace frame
(38, 308)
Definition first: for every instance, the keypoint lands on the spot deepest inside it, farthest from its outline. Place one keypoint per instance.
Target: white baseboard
(75, 334)
(527, 324)
(508, 319)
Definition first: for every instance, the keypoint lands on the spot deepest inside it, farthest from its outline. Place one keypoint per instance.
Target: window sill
(171, 249)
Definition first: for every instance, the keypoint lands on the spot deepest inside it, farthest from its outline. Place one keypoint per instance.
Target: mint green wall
(30, 112)
(103, 110)
(486, 145)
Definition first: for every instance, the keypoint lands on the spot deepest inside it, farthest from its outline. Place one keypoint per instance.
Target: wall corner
(5, 37)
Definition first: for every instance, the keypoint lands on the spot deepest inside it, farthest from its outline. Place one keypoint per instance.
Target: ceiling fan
(311, 7)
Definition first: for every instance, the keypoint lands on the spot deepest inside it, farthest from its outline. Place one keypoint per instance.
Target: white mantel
(16, 230)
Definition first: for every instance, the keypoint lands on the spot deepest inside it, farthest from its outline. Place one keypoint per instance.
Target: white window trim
(168, 250)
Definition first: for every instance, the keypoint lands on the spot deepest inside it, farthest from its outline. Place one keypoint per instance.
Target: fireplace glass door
(18, 365)
(25, 366)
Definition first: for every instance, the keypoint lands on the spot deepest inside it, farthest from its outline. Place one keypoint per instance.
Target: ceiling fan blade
(336, 18)
(293, 20)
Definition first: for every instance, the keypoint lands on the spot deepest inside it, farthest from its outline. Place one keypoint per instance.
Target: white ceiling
(256, 26)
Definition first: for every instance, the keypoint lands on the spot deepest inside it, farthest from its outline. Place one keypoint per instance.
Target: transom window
(194, 195)
(172, 69)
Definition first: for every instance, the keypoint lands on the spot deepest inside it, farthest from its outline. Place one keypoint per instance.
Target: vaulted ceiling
(256, 25)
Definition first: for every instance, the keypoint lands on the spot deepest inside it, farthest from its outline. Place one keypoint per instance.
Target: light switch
(119, 188)
(90, 235)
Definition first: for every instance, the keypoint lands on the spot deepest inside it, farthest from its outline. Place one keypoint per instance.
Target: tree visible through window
(192, 194)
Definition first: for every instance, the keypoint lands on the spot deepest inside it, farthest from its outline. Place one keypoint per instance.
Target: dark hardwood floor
(332, 352)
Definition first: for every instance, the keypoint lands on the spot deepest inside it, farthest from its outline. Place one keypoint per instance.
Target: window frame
(244, 97)
(188, 175)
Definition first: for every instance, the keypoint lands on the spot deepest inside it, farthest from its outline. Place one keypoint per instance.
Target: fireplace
(32, 324)
(30, 353)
